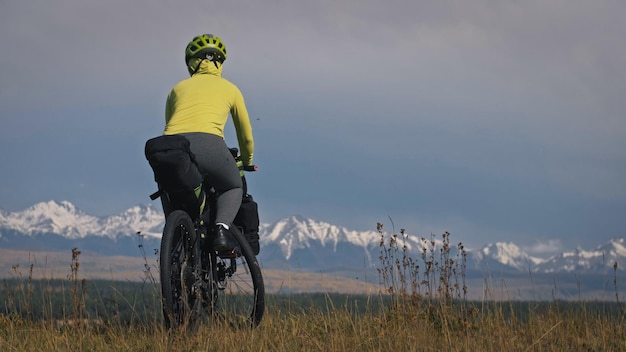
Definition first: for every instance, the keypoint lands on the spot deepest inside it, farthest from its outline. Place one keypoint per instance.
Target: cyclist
(198, 108)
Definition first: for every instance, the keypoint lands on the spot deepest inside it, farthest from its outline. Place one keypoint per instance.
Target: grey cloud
(530, 91)
(544, 248)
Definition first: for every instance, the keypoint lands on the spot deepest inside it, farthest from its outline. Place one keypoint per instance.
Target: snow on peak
(64, 219)
(141, 218)
(614, 247)
(502, 250)
(611, 254)
(60, 209)
(297, 232)
(508, 253)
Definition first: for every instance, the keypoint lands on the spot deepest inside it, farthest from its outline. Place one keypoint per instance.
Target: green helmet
(206, 46)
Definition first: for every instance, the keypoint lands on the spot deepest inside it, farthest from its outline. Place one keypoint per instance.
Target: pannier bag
(248, 220)
(176, 172)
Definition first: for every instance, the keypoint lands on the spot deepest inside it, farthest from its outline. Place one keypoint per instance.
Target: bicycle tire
(240, 298)
(181, 306)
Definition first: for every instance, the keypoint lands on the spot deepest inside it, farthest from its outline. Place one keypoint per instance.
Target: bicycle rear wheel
(182, 301)
(240, 297)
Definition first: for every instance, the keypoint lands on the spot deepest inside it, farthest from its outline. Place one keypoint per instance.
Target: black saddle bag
(176, 172)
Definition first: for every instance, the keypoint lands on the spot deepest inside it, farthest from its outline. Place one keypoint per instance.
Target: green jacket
(202, 103)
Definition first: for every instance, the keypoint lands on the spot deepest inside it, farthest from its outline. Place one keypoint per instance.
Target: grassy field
(415, 308)
(346, 323)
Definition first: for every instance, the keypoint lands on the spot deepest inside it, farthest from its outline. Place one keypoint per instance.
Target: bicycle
(198, 282)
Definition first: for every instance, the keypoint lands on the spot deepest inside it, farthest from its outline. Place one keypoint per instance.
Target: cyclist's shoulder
(228, 82)
(202, 83)
(208, 80)
(232, 88)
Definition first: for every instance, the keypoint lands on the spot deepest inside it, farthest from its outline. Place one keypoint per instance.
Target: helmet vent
(206, 46)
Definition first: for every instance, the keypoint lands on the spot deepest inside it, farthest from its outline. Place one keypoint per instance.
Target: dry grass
(336, 329)
(423, 307)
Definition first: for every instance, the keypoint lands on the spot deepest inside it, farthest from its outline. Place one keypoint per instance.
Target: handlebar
(249, 168)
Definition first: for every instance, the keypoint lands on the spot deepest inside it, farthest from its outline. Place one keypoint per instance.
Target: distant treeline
(121, 301)
(128, 302)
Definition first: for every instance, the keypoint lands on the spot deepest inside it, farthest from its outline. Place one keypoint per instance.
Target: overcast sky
(494, 120)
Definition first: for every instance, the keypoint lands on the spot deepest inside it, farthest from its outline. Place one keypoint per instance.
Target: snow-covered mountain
(64, 219)
(61, 226)
(295, 242)
(611, 254)
(506, 253)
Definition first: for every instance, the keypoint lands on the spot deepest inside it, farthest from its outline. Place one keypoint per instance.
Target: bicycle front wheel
(181, 299)
(240, 298)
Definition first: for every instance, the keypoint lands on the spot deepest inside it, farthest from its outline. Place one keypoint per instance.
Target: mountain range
(294, 243)
(299, 254)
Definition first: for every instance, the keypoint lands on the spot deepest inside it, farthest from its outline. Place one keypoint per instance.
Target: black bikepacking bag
(176, 172)
(248, 220)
